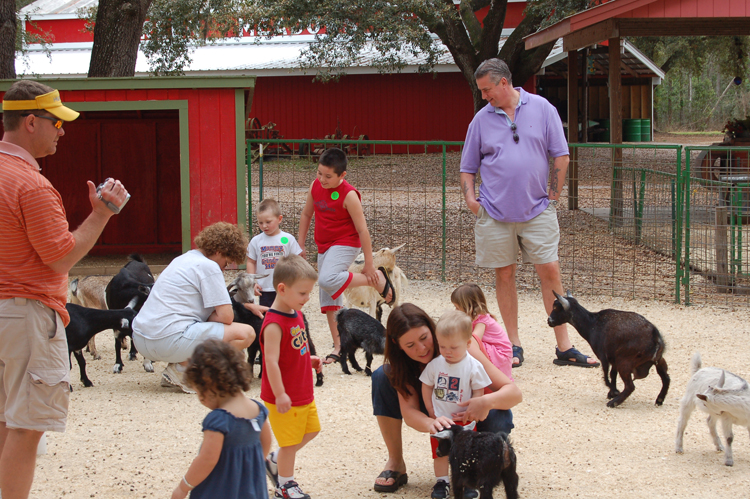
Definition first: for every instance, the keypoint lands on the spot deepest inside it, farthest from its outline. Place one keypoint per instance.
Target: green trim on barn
(239, 118)
(138, 83)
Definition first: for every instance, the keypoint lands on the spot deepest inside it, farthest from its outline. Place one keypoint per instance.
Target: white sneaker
(272, 470)
(172, 377)
(290, 490)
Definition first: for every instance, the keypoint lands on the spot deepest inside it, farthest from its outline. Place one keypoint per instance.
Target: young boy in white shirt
(452, 377)
(266, 248)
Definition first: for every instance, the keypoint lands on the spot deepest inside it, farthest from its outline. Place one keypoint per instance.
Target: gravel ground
(128, 437)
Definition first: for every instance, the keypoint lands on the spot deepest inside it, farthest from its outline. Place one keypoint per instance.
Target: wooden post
(615, 128)
(585, 96)
(721, 247)
(573, 128)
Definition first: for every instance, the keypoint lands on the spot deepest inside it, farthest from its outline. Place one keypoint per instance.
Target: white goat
(89, 292)
(724, 396)
(366, 296)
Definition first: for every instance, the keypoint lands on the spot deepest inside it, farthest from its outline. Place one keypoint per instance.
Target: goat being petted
(624, 342)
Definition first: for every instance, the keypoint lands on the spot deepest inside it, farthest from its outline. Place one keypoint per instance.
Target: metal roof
(633, 62)
(57, 7)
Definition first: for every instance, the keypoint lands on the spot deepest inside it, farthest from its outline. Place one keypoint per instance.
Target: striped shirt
(34, 232)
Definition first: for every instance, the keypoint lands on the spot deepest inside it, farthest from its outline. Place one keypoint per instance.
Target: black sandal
(399, 479)
(388, 286)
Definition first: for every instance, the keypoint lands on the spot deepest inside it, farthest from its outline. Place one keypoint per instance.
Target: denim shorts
(178, 347)
(385, 403)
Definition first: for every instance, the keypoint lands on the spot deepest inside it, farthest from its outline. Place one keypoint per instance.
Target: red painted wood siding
(689, 9)
(130, 153)
(384, 107)
(60, 30)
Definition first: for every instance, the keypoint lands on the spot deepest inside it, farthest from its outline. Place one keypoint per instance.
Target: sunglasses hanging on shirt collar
(513, 128)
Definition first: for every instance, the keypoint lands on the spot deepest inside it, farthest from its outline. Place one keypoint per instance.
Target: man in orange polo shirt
(38, 249)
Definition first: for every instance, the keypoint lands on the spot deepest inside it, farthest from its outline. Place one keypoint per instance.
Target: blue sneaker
(441, 490)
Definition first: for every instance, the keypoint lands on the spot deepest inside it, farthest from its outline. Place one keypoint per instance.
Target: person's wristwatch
(554, 203)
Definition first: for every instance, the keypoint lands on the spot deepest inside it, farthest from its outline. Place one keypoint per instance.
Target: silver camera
(115, 209)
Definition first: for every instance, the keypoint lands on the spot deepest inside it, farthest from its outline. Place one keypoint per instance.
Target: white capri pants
(334, 275)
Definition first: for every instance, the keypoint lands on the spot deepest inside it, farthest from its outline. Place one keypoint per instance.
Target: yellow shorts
(292, 426)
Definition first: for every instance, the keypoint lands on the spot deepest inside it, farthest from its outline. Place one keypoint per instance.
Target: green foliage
(697, 93)
(175, 27)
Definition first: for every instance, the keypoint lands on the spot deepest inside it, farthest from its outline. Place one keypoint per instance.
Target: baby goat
(366, 296)
(133, 281)
(624, 340)
(87, 322)
(89, 292)
(358, 330)
(242, 290)
(723, 396)
(479, 460)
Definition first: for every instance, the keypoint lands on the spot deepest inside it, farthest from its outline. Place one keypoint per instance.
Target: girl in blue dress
(236, 433)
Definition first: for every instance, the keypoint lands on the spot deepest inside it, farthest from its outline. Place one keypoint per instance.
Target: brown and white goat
(367, 297)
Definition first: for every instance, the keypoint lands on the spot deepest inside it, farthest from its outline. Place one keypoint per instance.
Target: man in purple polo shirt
(510, 142)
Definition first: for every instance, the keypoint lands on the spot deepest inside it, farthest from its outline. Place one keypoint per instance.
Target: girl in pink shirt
(470, 299)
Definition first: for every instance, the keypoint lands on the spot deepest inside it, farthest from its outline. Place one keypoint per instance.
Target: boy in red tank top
(340, 234)
(287, 382)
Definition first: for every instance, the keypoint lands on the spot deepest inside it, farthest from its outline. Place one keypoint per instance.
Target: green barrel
(631, 130)
(645, 130)
(605, 136)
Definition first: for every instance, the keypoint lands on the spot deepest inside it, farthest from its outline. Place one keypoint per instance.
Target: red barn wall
(154, 211)
(383, 107)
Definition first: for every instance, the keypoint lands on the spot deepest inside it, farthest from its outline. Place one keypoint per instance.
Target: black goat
(133, 281)
(624, 340)
(241, 290)
(479, 460)
(87, 322)
(357, 329)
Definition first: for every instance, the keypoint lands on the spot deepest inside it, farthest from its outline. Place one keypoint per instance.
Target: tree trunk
(8, 39)
(117, 35)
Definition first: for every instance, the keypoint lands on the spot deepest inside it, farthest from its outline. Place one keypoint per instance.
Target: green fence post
(260, 173)
(682, 274)
(444, 204)
(674, 217)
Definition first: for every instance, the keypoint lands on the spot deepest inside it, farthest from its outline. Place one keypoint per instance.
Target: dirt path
(129, 438)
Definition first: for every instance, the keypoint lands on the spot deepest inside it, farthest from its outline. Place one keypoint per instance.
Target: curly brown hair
(224, 238)
(218, 367)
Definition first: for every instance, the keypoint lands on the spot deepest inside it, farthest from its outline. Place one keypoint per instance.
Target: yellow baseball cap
(50, 102)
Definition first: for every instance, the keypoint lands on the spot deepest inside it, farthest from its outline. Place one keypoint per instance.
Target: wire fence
(625, 227)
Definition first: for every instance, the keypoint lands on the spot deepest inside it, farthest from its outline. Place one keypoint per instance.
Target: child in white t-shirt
(453, 377)
(266, 248)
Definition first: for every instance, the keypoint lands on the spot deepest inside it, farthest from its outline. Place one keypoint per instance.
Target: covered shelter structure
(608, 23)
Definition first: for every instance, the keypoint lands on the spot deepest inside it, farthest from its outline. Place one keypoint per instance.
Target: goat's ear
(701, 396)
(470, 426)
(443, 435)
(258, 276)
(232, 288)
(146, 290)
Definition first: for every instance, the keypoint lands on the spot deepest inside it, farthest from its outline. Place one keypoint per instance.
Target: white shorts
(497, 243)
(178, 347)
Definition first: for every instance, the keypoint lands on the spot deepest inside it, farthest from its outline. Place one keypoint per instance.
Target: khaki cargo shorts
(497, 243)
(34, 366)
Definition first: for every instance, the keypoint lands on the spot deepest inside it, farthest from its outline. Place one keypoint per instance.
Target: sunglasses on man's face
(513, 128)
(58, 123)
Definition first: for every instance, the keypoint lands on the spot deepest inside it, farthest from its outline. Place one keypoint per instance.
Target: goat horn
(565, 303)
(398, 248)
(567, 294)
(132, 302)
(721, 380)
